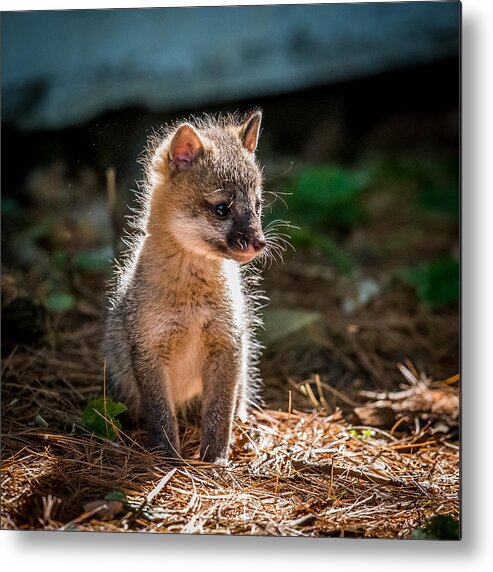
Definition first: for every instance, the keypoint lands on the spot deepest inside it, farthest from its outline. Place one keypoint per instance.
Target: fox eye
(221, 210)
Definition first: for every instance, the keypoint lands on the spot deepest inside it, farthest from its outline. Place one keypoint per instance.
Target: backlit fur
(183, 313)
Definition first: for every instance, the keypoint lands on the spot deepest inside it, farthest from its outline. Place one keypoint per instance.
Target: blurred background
(360, 144)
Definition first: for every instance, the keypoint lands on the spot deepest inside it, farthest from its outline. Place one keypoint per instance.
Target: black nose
(258, 243)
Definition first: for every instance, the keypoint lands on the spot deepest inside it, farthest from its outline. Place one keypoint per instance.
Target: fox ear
(186, 146)
(250, 131)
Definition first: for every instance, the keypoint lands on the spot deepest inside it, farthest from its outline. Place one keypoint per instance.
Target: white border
(92, 551)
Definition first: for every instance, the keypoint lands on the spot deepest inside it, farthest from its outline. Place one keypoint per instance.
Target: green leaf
(99, 416)
(59, 302)
(116, 496)
(363, 434)
(436, 283)
(440, 527)
(328, 198)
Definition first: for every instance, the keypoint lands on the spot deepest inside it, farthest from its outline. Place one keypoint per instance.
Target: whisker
(277, 243)
(284, 193)
(279, 223)
(277, 195)
(281, 174)
(280, 234)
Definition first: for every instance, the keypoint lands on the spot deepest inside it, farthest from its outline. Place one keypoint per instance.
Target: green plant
(363, 434)
(327, 199)
(440, 527)
(327, 203)
(436, 180)
(437, 283)
(99, 416)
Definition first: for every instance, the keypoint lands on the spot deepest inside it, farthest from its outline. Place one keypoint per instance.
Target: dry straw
(291, 472)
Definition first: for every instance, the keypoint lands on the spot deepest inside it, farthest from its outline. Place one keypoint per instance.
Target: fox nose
(258, 243)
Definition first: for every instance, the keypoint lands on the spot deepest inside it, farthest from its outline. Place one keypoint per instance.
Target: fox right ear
(186, 146)
(250, 131)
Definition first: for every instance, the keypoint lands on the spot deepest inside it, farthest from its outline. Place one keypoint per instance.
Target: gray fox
(183, 312)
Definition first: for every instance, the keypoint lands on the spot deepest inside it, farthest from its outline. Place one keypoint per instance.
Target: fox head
(208, 186)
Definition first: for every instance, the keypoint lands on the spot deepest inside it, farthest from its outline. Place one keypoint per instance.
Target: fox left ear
(186, 146)
(250, 131)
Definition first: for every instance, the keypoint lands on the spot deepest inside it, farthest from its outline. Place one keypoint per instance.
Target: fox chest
(178, 345)
(179, 340)
(183, 370)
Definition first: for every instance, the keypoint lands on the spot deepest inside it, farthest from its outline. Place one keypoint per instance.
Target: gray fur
(183, 314)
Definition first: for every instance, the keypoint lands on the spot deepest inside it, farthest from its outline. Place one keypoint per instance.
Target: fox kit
(182, 317)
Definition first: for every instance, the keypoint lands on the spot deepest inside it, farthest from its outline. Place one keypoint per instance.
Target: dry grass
(291, 473)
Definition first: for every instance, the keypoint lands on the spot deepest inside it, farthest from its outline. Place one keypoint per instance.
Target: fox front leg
(158, 411)
(221, 379)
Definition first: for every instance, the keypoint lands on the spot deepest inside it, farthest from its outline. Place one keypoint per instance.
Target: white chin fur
(189, 234)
